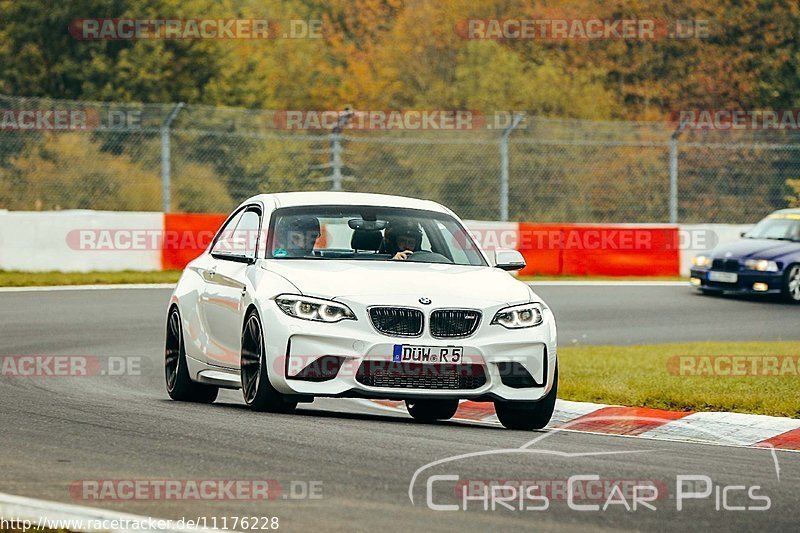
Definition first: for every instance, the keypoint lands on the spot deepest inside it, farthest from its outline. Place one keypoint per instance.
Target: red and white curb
(730, 429)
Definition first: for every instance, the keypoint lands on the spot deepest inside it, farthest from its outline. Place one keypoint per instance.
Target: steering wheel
(424, 256)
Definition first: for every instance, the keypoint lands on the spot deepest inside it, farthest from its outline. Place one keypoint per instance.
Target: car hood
(371, 281)
(757, 249)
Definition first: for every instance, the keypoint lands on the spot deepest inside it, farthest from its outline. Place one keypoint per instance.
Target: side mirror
(742, 234)
(508, 259)
(236, 258)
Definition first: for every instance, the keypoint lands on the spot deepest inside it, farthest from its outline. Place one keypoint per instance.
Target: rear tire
(791, 284)
(258, 392)
(180, 386)
(528, 415)
(431, 410)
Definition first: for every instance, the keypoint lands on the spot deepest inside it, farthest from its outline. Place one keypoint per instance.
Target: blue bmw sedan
(765, 261)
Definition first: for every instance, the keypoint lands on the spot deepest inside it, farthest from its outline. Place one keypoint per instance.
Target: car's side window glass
(426, 242)
(239, 237)
(225, 240)
(247, 232)
(457, 252)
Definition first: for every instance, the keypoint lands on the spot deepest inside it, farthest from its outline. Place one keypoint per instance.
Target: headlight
(308, 308)
(520, 316)
(701, 261)
(761, 265)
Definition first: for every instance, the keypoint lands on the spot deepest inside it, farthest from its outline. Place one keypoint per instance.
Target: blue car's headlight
(762, 265)
(701, 261)
(308, 308)
(520, 316)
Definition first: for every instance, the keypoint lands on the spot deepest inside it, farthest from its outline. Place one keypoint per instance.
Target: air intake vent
(515, 376)
(421, 376)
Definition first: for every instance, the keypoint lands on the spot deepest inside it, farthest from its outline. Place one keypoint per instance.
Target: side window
(247, 232)
(224, 242)
(239, 237)
(460, 246)
(426, 242)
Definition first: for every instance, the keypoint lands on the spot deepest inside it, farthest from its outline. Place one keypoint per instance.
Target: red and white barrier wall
(39, 241)
(82, 241)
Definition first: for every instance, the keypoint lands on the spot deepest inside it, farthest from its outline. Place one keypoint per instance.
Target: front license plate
(406, 353)
(723, 277)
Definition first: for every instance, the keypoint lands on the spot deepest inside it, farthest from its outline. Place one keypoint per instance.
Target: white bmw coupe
(304, 295)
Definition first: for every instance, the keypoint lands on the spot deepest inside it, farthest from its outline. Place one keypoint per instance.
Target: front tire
(179, 385)
(528, 415)
(431, 410)
(791, 284)
(258, 392)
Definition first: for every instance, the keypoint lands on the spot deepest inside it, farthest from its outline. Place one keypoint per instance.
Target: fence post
(166, 161)
(336, 161)
(673, 174)
(336, 176)
(504, 166)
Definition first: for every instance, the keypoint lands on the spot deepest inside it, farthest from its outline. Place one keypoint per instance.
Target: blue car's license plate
(723, 277)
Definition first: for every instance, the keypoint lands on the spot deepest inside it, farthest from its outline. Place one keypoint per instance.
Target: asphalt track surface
(59, 430)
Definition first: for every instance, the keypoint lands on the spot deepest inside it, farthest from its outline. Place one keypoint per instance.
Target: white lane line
(56, 515)
(55, 288)
(608, 283)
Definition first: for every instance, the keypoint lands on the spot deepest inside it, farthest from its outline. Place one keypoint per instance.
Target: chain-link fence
(57, 154)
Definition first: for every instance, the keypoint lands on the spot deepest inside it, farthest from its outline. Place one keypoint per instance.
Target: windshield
(370, 233)
(779, 227)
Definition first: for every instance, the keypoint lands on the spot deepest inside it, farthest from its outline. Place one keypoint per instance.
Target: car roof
(791, 211)
(300, 199)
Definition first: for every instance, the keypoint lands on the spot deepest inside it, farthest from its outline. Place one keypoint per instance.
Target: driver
(401, 239)
(296, 236)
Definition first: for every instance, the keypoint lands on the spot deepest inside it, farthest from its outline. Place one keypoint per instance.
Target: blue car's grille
(726, 265)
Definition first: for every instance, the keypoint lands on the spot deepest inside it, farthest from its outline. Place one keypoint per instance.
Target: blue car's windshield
(779, 227)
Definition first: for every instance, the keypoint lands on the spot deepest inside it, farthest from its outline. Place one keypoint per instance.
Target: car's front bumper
(748, 282)
(294, 344)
